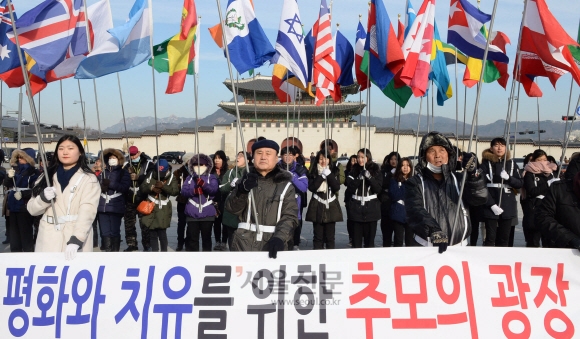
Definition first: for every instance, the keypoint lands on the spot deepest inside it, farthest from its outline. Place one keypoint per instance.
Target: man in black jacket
(432, 195)
(559, 211)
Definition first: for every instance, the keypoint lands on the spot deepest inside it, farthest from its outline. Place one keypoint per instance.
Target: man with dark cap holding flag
(274, 198)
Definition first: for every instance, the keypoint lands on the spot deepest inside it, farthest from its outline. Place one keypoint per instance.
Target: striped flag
(181, 49)
(359, 50)
(325, 68)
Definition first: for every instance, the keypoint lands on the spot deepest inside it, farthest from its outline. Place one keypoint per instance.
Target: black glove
(439, 239)
(575, 243)
(249, 181)
(469, 163)
(275, 245)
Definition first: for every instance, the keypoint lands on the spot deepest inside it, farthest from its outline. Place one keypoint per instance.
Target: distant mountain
(140, 124)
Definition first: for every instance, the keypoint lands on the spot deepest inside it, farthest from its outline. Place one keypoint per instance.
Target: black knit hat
(265, 143)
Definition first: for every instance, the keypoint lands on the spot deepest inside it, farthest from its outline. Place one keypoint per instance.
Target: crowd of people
(259, 201)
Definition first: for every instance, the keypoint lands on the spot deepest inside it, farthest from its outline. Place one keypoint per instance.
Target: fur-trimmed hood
(204, 160)
(436, 139)
(488, 155)
(21, 153)
(112, 151)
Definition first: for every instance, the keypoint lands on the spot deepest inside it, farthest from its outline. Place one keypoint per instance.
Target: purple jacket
(299, 180)
(210, 189)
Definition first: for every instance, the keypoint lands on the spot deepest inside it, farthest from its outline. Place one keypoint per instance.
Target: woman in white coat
(75, 192)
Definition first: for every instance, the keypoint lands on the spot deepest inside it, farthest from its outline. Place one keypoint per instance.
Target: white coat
(84, 205)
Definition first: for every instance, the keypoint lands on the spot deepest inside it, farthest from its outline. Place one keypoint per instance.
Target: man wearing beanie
(138, 167)
(432, 195)
(274, 198)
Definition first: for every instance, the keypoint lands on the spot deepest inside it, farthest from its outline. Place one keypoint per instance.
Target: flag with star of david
(290, 48)
(8, 53)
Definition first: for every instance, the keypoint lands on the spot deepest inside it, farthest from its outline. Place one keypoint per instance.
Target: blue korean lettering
(177, 309)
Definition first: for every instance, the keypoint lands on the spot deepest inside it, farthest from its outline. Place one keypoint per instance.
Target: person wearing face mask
(19, 181)
(364, 183)
(75, 192)
(159, 191)
(432, 195)
(324, 209)
(115, 183)
(138, 167)
(500, 182)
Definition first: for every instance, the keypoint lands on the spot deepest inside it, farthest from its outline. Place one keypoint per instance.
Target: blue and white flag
(126, 46)
(247, 43)
(409, 17)
(344, 54)
(290, 50)
(8, 52)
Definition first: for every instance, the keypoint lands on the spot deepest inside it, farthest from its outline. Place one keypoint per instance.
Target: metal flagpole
(154, 94)
(294, 117)
(428, 112)
(84, 115)
(287, 119)
(39, 106)
(394, 125)
(360, 120)
(252, 203)
(516, 127)
(418, 127)
(299, 97)
(399, 129)
(33, 112)
(20, 98)
(475, 114)
(574, 114)
(61, 104)
(464, 115)
(456, 108)
(255, 111)
(432, 106)
(325, 148)
(538, 105)
(2, 142)
(123, 111)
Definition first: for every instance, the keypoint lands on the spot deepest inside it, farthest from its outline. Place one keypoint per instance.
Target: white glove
(504, 175)
(367, 174)
(71, 251)
(393, 171)
(11, 173)
(496, 210)
(234, 182)
(50, 193)
(551, 181)
(18, 195)
(325, 173)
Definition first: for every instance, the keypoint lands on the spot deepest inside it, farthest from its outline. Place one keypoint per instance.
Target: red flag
(401, 32)
(544, 49)
(326, 70)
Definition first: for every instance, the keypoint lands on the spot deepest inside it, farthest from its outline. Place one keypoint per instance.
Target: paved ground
(307, 234)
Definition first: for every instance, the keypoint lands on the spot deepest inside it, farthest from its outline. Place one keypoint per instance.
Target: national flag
(544, 49)
(286, 84)
(576, 50)
(10, 71)
(452, 53)
(46, 32)
(400, 95)
(248, 45)
(126, 47)
(290, 51)
(361, 76)
(410, 16)
(161, 59)
(400, 31)
(385, 57)
(465, 22)
(325, 67)
(494, 70)
(439, 73)
(417, 50)
(345, 59)
(216, 33)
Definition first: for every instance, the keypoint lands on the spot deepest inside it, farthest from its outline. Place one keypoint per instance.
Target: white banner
(470, 292)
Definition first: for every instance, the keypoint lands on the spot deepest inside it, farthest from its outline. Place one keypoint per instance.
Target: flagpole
(255, 111)
(432, 106)
(566, 127)
(464, 115)
(154, 90)
(39, 106)
(538, 105)
(33, 112)
(516, 127)
(568, 136)
(123, 111)
(428, 112)
(475, 113)
(299, 95)
(399, 130)
(20, 95)
(394, 125)
(61, 104)
(251, 195)
(84, 115)
(2, 142)
(418, 126)
(456, 108)
(287, 119)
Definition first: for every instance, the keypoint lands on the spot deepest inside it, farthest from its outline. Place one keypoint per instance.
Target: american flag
(325, 67)
(46, 32)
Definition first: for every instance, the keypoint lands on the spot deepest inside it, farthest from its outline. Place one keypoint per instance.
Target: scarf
(541, 167)
(63, 176)
(576, 185)
(324, 185)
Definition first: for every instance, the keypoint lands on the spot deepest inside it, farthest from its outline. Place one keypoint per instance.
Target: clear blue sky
(137, 82)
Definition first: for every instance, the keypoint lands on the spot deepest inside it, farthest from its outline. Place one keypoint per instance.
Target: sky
(137, 83)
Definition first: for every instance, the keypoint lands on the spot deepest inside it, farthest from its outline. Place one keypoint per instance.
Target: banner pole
(123, 111)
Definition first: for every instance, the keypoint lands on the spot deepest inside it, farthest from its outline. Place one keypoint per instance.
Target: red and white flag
(326, 69)
(544, 50)
(359, 53)
(417, 50)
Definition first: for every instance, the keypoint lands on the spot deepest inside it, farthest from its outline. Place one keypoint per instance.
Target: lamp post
(85, 144)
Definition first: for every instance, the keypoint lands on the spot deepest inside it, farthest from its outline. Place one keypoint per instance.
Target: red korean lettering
(412, 299)
(568, 333)
(516, 316)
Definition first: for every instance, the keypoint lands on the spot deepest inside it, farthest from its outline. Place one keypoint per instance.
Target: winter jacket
(536, 187)
(206, 200)
(317, 211)
(229, 219)
(161, 216)
(180, 175)
(397, 200)
(492, 166)
(24, 179)
(142, 169)
(367, 189)
(85, 191)
(559, 211)
(300, 182)
(119, 183)
(431, 205)
(384, 196)
(276, 206)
